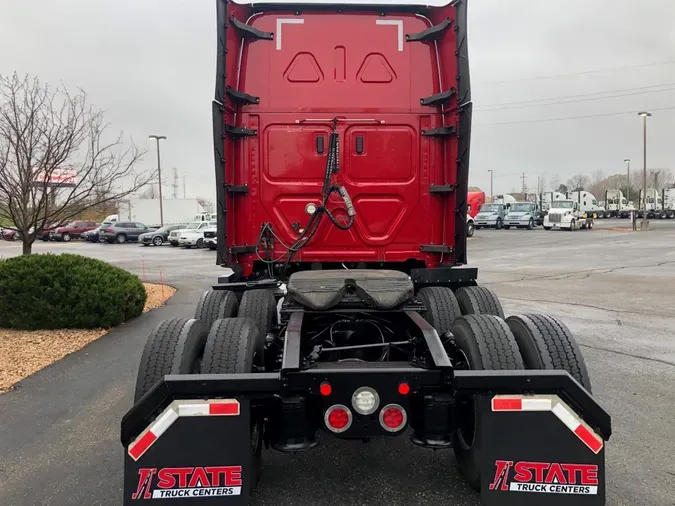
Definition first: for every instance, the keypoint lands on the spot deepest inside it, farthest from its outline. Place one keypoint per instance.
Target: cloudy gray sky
(150, 64)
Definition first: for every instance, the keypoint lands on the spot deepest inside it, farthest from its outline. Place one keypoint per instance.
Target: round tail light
(393, 418)
(338, 418)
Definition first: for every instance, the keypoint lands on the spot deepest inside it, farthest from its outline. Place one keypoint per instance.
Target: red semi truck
(474, 201)
(342, 135)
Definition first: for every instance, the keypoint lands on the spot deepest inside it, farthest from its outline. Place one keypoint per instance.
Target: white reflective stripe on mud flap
(553, 403)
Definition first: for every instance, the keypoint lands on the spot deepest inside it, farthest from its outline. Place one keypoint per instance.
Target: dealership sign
(57, 177)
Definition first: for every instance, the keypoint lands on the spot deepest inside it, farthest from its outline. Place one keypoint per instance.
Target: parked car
(210, 238)
(10, 235)
(44, 234)
(123, 231)
(93, 235)
(159, 236)
(72, 230)
(195, 236)
(175, 235)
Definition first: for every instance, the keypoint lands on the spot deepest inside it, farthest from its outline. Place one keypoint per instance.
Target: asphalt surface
(59, 429)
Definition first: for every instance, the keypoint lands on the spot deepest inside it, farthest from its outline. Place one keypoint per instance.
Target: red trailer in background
(474, 201)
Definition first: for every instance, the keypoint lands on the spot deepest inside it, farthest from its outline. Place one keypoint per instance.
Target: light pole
(644, 115)
(491, 180)
(159, 175)
(627, 162)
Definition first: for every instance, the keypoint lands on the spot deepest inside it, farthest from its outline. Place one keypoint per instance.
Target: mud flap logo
(545, 477)
(177, 482)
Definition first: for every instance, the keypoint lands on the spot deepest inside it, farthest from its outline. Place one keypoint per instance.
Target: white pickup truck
(565, 214)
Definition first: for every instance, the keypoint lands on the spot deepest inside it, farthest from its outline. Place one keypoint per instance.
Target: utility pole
(184, 191)
(644, 116)
(491, 181)
(627, 161)
(159, 174)
(175, 183)
(523, 178)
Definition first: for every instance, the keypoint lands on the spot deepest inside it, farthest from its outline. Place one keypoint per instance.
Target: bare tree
(57, 159)
(555, 182)
(150, 192)
(578, 182)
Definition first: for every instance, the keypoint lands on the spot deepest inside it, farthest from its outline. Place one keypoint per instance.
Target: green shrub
(66, 291)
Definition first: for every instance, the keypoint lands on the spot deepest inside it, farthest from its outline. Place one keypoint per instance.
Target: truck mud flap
(536, 450)
(198, 451)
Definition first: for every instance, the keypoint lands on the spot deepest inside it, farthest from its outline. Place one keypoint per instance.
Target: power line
(584, 97)
(584, 72)
(545, 120)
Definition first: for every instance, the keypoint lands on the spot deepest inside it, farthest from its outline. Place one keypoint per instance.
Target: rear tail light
(393, 418)
(338, 418)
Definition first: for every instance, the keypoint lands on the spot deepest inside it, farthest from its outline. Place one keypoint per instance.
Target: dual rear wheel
(485, 340)
(225, 337)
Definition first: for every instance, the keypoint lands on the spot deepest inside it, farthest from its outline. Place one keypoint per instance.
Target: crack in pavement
(588, 273)
(626, 354)
(590, 306)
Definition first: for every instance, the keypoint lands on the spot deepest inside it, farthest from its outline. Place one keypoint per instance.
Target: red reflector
(587, 437)
(224, 408)
(325, 389)
(507, 404)
(404, 389)
(142, 445)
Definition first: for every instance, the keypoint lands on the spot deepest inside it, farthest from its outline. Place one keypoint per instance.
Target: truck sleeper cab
(341, 136)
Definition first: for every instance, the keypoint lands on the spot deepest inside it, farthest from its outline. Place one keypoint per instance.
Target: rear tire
(441, 305)
(120, 238)
(216, 304)
(478, 300)
(484, 342)
(546, 343)
(261, 307)
(234, 346)
(174, 347)
(66, 238)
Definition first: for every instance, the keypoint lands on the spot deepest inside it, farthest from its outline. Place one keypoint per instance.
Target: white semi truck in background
(587, 203)
(616, 205)
(654, 204)
(566, 215)
(659, 205)
(146, 211)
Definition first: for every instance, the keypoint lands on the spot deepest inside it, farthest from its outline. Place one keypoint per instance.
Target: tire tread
(478, 300)
(442, 307)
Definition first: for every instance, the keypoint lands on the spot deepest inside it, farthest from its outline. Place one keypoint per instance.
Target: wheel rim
(157, 241)
(66, 237)
(120, 239)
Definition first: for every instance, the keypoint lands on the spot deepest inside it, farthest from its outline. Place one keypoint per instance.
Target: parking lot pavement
(59, 431)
